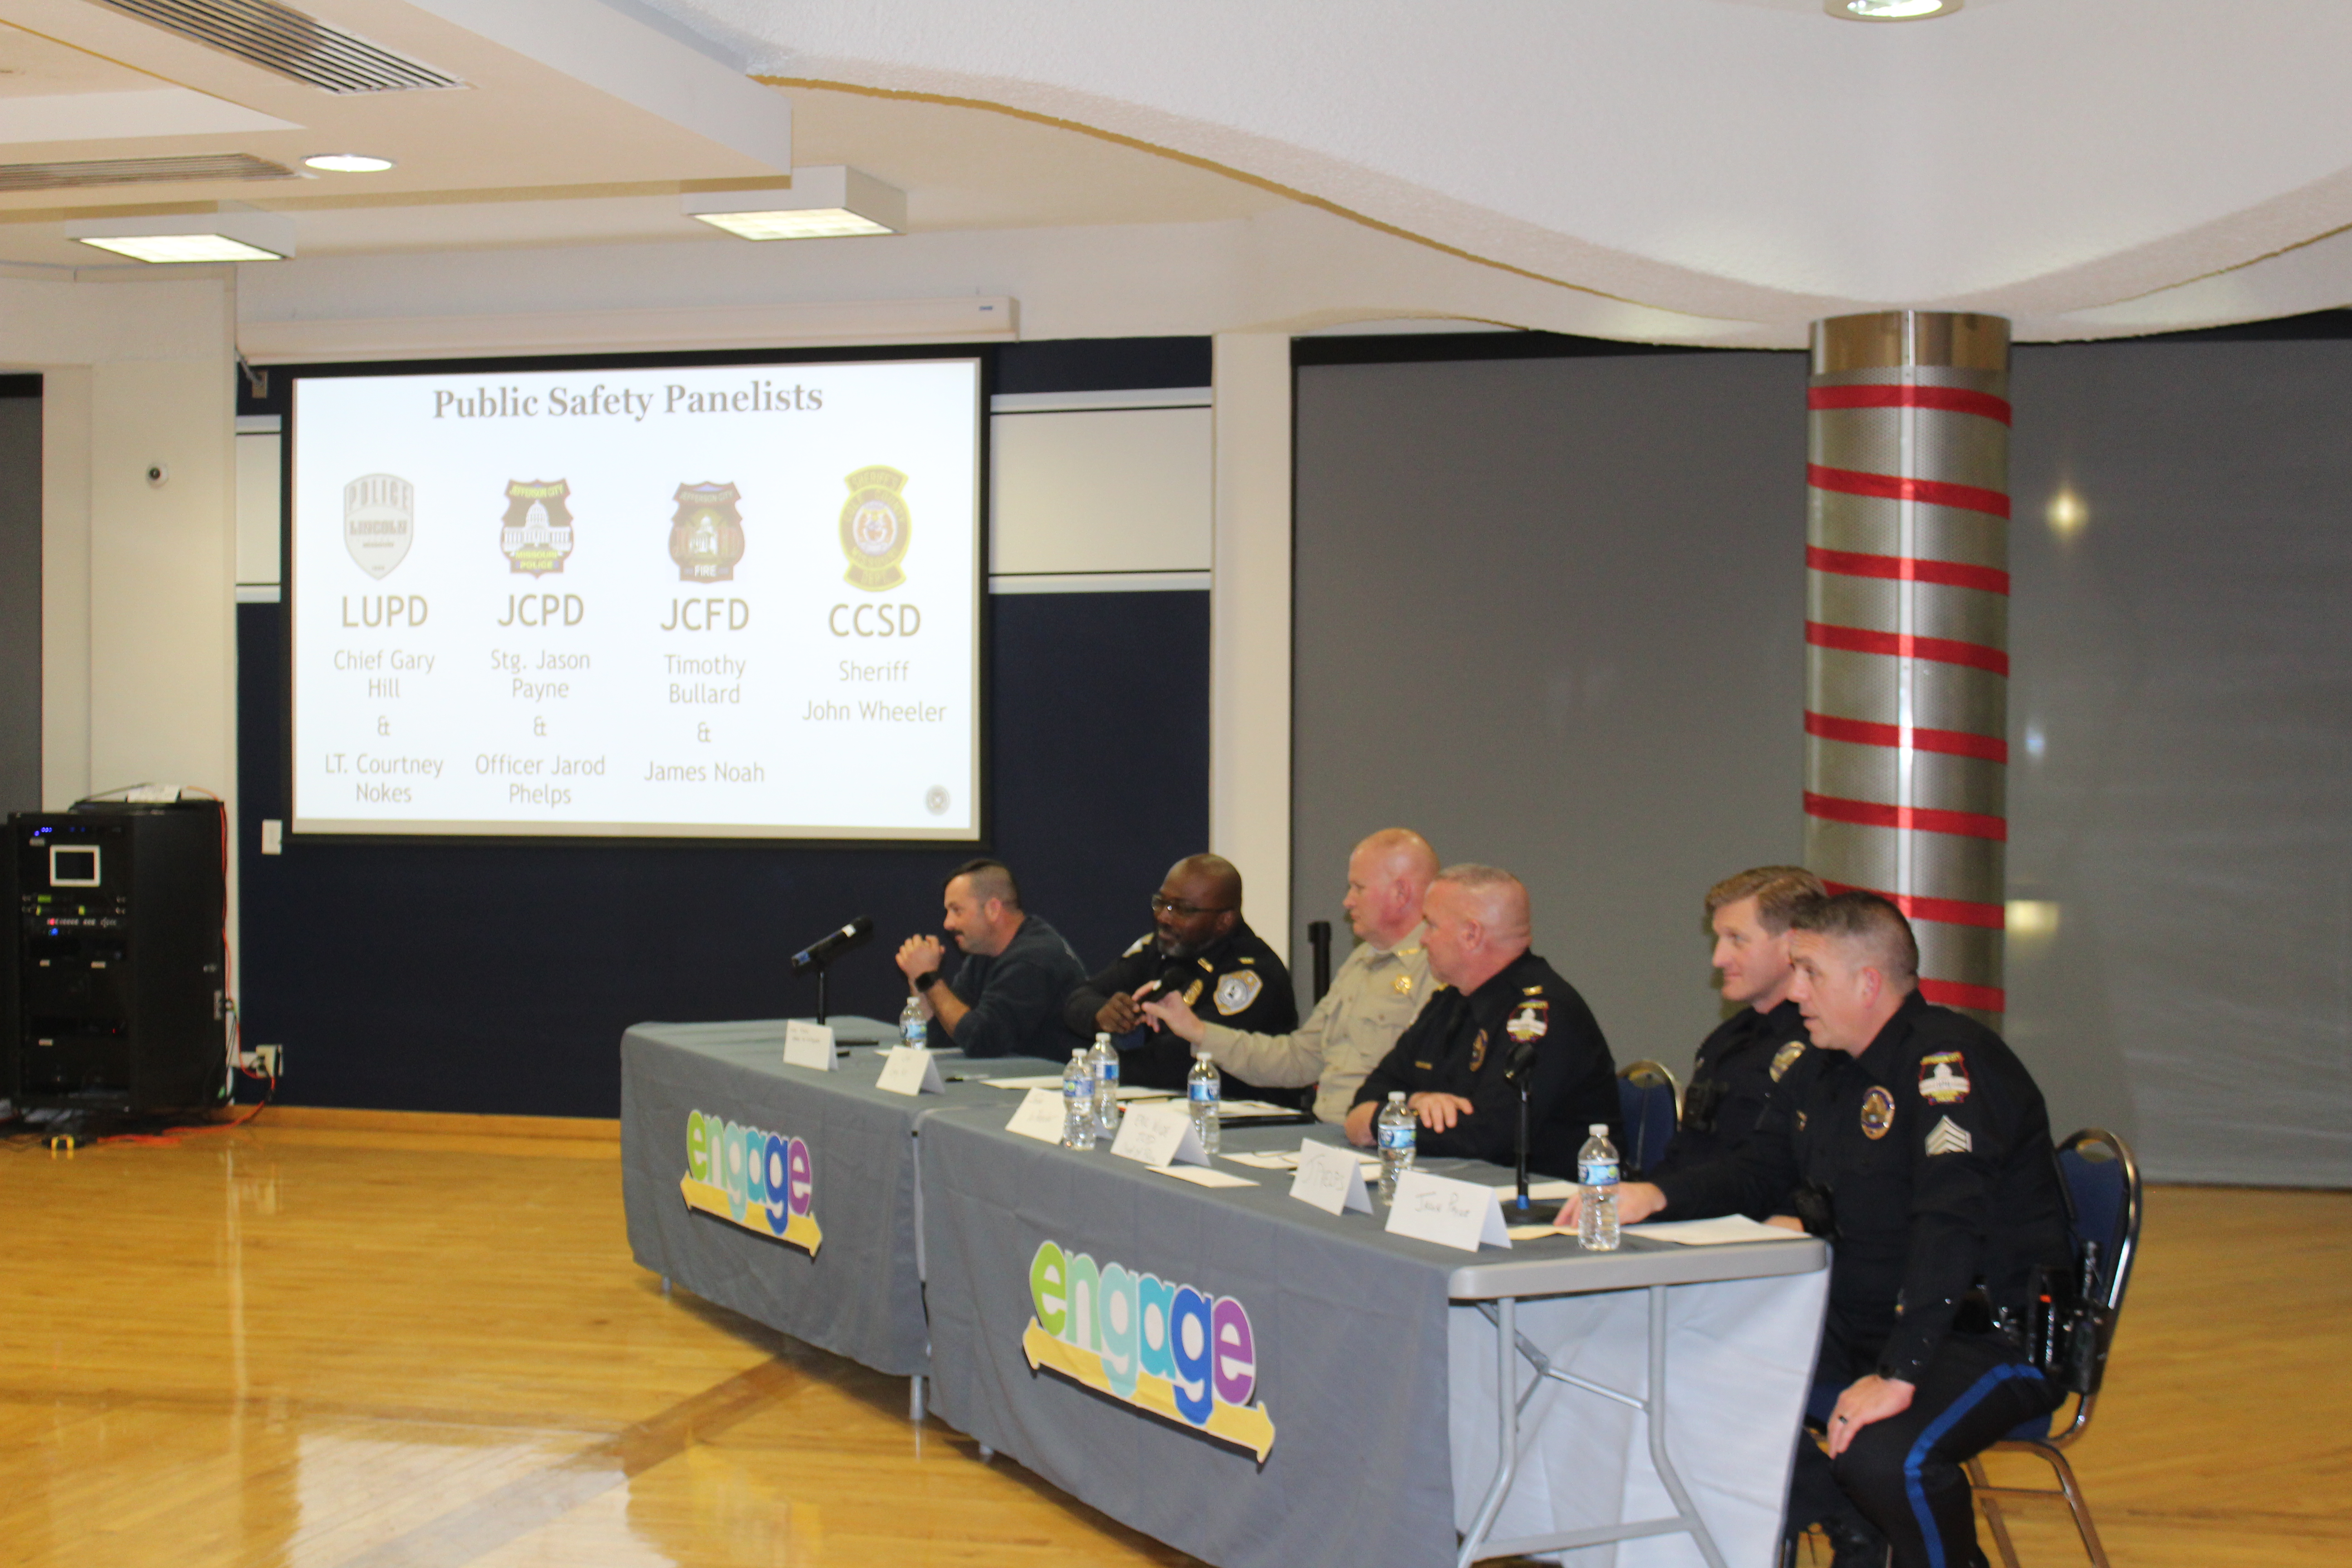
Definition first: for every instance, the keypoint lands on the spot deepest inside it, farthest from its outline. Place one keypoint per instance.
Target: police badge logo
(1944, 1077)
(1529, 1022)
(379, 522)
(875, 527)
(706, 533)
(1478, 1051)
(1785, 1058)
(1238, 990)
(1877, 1113)
(536, 535)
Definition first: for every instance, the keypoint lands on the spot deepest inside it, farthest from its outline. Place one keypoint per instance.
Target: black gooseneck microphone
(817, 954)
(1518, 1068)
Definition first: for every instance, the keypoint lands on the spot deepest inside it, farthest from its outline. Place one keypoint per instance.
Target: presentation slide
(725, 602)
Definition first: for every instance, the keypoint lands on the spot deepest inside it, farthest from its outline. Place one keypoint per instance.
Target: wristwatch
(925, 980)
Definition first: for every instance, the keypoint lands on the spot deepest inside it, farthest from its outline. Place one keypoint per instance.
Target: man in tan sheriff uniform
(1378, 989)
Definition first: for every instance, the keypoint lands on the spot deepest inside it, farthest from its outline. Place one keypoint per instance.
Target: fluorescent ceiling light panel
(1889, 10)
(347, 163)
(231, 232)
(829, 202)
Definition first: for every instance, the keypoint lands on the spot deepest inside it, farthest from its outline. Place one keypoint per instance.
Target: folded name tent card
(1447, 1212)
(911, 1069)
(1040, 1116)
(1331, 1179)
(808, 1045)
(1158, 1134)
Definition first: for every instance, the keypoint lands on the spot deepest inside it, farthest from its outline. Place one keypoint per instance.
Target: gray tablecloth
(857, 1293)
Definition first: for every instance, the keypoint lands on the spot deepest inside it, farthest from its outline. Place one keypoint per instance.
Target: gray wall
(20, 601)
(1550, 612)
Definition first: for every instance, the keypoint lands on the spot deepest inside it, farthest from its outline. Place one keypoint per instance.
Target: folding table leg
(1506, 1436)
(1657, 1413)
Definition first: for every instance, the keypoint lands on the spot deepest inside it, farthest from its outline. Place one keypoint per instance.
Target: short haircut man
(1005, 997)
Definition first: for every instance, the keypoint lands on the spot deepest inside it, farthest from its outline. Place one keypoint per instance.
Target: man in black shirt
(1201, 949)
(1498, 1002)
(1915, 1140)
(1755, 1047)
(1006, 995)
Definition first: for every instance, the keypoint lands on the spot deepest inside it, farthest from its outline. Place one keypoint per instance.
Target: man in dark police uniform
(1918, 1143)
(1005, 999)
(1755, 1047)
(1201, 949)
(1498, 1001)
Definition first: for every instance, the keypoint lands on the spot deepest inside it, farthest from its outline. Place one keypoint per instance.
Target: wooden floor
(329, 1344)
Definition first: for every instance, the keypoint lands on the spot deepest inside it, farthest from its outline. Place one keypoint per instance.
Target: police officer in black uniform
(1501, 1012)
(1201, 949)
(1918, 1143)
(1753, 1049)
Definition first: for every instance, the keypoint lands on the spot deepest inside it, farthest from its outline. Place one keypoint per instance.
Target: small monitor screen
(73, 867)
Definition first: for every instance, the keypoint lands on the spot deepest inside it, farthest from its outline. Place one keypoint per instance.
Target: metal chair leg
(2077, 1506)
(1992, 1506)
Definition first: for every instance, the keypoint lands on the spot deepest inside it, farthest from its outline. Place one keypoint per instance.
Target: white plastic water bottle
(914, 1029)
(1399, 1129)
(1202, 1090)
(1077, 1103)
(1103, 1063)
(1596, 1173)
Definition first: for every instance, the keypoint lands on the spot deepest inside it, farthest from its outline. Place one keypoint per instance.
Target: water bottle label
(1400, 1138)
(1076, 1089)
(1106, 1073)
(1202, 1093)
(1597, 1173)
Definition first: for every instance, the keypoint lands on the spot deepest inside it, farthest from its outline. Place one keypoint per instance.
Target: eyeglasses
(1161, 904)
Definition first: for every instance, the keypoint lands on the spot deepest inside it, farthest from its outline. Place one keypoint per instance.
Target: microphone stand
(1515, 1071)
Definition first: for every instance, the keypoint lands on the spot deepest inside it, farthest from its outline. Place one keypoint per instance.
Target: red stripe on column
(1888, 487)
(1907, 569)
(1944, 911)
(1959, 993)
(1917, 819)
(1950, 743)
(1900, 645)
(1951, 399)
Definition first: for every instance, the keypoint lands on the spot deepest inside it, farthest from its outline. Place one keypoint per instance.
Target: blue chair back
(2103, 1196)
(1648, 1110)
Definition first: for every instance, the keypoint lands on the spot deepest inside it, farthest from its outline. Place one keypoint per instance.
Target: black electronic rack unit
(115, 990)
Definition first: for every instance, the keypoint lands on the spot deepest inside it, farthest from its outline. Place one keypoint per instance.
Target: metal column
(1907, 631)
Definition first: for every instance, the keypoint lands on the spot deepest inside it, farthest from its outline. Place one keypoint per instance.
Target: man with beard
(1015, 969)
(1201, 950)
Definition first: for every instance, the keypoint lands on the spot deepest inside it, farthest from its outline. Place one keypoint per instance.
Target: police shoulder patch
(1528, 1021)
(1137, 945)
(1238, 990)
(1785, 1058)
(1948, 1137)
(1944, 1077)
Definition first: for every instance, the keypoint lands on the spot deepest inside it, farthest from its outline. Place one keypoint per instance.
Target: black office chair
(1649, 1107)
(2103, 1183)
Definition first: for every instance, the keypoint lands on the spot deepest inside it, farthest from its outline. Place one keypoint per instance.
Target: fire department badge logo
(1944, 1077)
(379, 522)
(875, 527)
(537, 534)
(1785, 1058)
(1238, 990)
(706, 533)
(1529, 1022)
(1877, 1113)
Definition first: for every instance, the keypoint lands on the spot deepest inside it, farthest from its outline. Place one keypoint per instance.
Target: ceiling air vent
(280, 39)
(139, 171)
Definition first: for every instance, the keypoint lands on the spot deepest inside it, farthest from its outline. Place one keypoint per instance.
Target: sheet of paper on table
(1713, 1232)
(1232, 1108)
(1204, 1176)
(1552, 1191)
(1536, 1233)
(1127, 1092)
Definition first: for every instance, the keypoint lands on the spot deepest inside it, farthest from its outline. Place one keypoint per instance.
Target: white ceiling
(1718, 170)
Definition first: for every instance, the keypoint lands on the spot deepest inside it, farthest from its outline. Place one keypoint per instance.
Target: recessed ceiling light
(348, 164)
(1889, 10)
(175, 248)
(826, 203)
(230, 231)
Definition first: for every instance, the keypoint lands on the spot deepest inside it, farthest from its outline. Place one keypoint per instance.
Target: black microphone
(1517, 1069)
(1521, 1058)
(832, 946)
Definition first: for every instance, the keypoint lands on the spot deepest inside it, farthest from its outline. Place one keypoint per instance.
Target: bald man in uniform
(1502, 1012)
(1378, 991)
(1200, 949)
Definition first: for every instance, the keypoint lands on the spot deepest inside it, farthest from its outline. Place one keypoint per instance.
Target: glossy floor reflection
(351, 1344)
